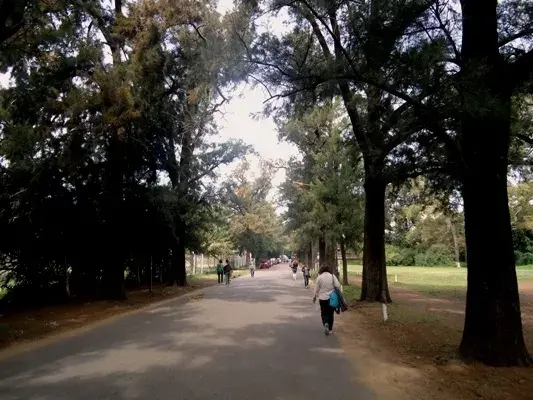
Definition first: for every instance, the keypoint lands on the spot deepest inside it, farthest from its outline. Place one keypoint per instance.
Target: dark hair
(227, 260)
(220, 261)
(323, 268)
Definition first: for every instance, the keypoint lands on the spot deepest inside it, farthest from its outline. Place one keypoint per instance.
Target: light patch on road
(129, 358)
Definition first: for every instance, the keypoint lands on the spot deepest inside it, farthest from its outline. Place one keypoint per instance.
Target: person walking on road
(324, 286)
(220, 271)
(227, 272)
(252, 268)
(307, 274)
(294, 268)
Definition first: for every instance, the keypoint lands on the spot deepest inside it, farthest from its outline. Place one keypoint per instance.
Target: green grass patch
(351, 292)
(434, 281)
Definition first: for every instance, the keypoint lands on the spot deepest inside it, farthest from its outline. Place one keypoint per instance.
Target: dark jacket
(227, 268)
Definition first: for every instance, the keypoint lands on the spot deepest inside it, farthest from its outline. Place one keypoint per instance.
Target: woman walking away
(294, 268)
(227, 272)
(307, 274)
(324, 286)
(220, 271)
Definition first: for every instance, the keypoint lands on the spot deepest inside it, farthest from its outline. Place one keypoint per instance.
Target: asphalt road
(256, 339)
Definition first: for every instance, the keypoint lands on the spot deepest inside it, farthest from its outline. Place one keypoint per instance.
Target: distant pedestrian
(294, 268)
(252, 268)
(220, 271)
(307, 274)
(227, 272)
(324, 286)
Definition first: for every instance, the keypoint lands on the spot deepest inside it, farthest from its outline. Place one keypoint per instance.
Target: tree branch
(518, 35)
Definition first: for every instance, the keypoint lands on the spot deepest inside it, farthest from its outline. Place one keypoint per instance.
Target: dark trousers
(326, 312)
(306, 280)
(220, 277)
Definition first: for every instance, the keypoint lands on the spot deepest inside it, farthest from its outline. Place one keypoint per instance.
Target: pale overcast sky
(238, 123)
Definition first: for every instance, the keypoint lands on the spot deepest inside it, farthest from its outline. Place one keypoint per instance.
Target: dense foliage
(409, 116)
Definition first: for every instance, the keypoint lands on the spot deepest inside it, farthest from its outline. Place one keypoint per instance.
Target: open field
(414, 354)
(437, 280)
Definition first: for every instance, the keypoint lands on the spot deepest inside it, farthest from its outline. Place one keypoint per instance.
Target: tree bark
(344, 264)
(451, 227)
(375, 285)
(321, 250)
(313, 255)
(181, 271)
(113, 278)
(331, 259)
(177, 272)
(309, 260)
(493, 325)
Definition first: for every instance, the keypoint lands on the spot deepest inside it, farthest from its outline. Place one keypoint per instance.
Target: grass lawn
(434, 280)
(414, 354)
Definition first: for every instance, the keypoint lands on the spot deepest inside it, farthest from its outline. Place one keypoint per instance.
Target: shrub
(399, 256)
(436, 255)
(523, 258)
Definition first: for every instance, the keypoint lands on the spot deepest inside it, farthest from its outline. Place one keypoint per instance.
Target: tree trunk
(178, 270)
(344, 264)
(313, 254)
(375, 285)
(67, 284)
(493, 325)
(321, 251)
(113, 278)
(451, 227)
(309, 260)
(331, 259)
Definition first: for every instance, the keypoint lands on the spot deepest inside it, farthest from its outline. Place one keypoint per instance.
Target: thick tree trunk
(493, 325)
(375, 285)
(181, 271)
(113, 279)
(321, 250)
(178, 272)
(344, 264)
(331, 259)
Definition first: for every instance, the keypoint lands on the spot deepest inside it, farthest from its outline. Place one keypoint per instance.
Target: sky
(237, 121)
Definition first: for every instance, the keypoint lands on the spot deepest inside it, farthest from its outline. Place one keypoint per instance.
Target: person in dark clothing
(227, 272)
(220, 271)
(307, 274)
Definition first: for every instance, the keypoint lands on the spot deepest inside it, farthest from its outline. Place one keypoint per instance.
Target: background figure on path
(294, 268)
(307, 274)
(220, 271)
(252, 268)
(227, 272)
(324, 286)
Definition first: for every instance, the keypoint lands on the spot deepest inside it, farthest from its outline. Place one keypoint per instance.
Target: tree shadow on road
(251, 343)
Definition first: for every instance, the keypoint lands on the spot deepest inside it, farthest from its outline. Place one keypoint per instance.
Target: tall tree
(254, 224)
(363, 51)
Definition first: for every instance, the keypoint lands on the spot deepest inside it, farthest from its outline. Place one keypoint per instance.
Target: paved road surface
(256, 339)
